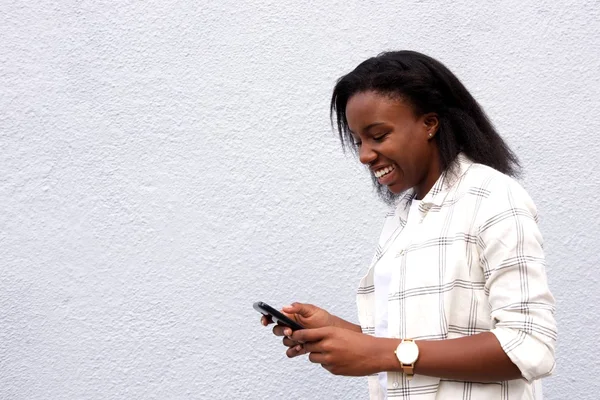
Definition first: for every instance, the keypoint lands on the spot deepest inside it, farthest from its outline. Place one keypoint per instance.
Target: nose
(366, 155)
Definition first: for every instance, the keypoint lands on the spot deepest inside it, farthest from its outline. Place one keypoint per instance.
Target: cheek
(405, 167)
(414, 154)
(407, 173)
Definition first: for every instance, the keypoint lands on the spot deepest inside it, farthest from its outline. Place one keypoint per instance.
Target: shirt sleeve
(511, 254)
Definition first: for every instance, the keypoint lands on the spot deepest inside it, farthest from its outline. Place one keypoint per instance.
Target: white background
(164, 164)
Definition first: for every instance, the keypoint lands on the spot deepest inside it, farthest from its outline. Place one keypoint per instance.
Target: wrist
(334, 321)
(385, 354)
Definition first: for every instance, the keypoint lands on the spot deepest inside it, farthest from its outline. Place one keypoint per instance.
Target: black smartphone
(277, 316)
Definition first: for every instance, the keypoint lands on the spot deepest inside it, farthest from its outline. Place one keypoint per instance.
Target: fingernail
(298, 348)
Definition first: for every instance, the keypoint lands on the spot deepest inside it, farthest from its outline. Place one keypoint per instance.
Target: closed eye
(381, 137)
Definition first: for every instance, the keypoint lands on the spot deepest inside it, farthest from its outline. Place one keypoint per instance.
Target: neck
(431, 176)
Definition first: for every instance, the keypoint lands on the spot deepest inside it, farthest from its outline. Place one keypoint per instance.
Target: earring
(431, 135)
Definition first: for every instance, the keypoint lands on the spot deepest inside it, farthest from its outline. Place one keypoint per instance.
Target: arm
(521, 344)
(477, 358)
(513, 262)
(522, 341)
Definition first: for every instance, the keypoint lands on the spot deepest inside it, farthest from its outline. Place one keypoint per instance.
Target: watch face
(408, 352)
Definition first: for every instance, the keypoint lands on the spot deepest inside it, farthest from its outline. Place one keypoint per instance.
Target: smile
(383, 171)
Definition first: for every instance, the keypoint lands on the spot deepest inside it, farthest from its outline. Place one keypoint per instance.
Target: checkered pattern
(473, 264)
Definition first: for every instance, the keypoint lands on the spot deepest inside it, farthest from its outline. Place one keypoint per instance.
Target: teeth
(383, 171)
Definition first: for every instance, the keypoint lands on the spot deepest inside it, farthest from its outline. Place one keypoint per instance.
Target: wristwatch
(407, 353)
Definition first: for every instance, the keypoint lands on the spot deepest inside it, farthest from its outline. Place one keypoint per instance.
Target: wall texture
(164, 164)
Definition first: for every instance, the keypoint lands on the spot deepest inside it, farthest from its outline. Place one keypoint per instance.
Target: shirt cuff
(534, 358)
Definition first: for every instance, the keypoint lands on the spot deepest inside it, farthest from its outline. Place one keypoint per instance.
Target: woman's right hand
(308, 316)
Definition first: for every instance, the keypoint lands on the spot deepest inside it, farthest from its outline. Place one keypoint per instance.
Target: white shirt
(473, 263)
(383, 277)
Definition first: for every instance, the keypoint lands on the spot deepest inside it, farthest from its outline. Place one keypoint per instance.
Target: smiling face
(394, 142)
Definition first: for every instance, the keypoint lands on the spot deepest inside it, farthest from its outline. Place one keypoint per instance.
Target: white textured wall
(165, 164)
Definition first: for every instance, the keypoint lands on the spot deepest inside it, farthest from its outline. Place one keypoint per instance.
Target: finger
(287, 331)
(303, 309)
(313, 347)
(317, 358)
(311, 335)
(289, 343)
(295, 351)
(282, 330)
(266, 320)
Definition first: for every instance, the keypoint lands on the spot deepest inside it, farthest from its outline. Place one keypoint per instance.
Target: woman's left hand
(341, 351)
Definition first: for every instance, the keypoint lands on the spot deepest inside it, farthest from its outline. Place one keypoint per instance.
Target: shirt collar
(439, 191)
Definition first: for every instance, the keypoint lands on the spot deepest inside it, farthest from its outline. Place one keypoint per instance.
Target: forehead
(366, 108)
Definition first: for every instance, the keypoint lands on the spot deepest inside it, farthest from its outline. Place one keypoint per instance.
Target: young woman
(455, 304)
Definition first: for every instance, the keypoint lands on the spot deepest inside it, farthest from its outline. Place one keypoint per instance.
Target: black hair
(429, 87)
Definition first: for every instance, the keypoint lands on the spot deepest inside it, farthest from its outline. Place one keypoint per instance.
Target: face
(395, 143)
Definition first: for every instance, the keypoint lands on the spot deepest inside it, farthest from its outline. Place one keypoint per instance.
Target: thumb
(305, 310)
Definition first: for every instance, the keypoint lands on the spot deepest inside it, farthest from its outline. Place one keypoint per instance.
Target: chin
(396, 189)
(387, 194)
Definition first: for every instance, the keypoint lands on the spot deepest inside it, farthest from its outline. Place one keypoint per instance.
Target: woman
(456, 302)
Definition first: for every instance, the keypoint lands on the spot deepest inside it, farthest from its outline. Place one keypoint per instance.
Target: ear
(432, 124)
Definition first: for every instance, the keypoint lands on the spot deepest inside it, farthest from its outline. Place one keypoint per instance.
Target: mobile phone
(277, 316)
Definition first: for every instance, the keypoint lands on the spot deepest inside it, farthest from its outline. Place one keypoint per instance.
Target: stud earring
(431, 135)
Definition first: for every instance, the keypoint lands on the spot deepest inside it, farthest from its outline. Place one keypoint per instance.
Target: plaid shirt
(473, 264)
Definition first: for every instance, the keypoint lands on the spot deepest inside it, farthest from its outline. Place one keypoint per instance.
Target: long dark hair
(429, 87)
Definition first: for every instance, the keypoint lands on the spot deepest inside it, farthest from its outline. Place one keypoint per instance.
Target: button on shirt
(474, 263)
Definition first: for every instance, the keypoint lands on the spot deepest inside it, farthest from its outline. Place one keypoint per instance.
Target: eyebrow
(368, 127)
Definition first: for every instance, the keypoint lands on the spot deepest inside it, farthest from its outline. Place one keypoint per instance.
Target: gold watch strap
(408, 369)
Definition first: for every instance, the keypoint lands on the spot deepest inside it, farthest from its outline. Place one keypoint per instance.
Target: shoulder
(499, 196)
(494, 185)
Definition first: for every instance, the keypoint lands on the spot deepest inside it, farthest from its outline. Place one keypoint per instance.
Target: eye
(379, 138)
